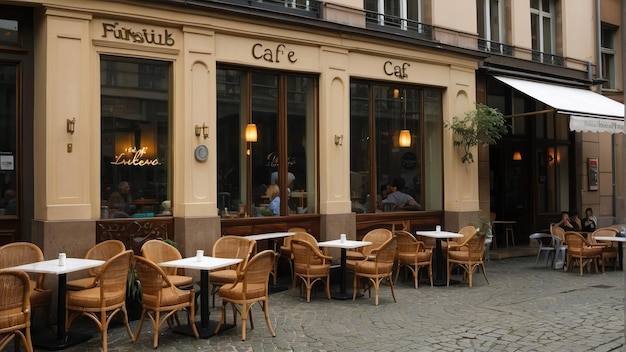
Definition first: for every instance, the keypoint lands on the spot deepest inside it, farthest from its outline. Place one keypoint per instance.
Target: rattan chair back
(19, 253)
(160, 251)
(15, 308)
(104, 251)
(234, 247)
(378, 237)
(604, 232)
(558, 232)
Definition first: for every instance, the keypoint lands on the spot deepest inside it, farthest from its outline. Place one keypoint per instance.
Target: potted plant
(133, 294)
(483, 125)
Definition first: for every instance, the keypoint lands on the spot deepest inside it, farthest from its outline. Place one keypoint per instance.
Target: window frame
(609, 54)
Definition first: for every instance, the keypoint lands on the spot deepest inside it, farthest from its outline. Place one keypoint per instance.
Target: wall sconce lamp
(71, 125)
(339, 139)
(204, 130)
(517, 156)
(251, 133)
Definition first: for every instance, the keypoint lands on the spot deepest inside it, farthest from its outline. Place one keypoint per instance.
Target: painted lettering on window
(137, 36)
(134, 157)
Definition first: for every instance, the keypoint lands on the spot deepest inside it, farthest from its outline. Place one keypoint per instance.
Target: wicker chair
(286, 252)
(456, 244)
(377, 236)
(310, 266)
(19, 253)
(469, 256)
(251, 287)
(103, 302)
(230, 247)
(581, 252)
(609, 251)
(160, 296)
(413, 255)
(160, 251)
(285, 249)
(15, 309)
(376, 269)
(101, 251)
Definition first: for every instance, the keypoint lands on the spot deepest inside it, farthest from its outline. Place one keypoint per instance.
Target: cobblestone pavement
(524, 308)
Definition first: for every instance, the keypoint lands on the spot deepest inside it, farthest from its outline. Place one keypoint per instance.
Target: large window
(283, 109)
(542, 23)
(608, 35)
(8, 139)
(135, 126)
(378, 113)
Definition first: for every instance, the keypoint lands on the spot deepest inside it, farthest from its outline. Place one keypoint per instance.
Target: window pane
(265, 154)
(231, 121)
(534, 28)
(495, 20)
(359, 149)
(534, 4)
(433, 148)
(9, 32)
(135, 135)
(300, 139)
(547, 35)
(8, 140)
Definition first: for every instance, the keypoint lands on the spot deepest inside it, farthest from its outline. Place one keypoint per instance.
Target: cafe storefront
(170, 123)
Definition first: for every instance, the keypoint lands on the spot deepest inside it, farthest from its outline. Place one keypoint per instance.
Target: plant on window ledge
(483, 125)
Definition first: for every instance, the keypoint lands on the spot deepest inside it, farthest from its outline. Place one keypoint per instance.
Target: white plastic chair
(546, 244)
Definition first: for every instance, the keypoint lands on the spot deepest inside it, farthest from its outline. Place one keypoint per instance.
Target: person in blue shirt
(273, 193)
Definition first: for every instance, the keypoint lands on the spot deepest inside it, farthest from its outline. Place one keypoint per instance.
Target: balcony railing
(546, 58)
(308, 8)
(398, 25)
(495, 47)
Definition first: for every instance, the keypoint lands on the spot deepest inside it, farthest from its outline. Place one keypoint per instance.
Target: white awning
(589, 111)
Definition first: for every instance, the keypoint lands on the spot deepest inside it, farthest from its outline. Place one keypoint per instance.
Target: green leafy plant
(133, 285)
(483, 125)
(170, 242)
(483, 224)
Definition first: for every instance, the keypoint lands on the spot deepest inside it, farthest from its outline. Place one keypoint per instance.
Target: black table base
(49, 341)
(204, 331)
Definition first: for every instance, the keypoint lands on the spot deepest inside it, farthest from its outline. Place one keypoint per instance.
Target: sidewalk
(524, 308)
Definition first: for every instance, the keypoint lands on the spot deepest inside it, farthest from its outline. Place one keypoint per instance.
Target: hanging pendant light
(251, 133)
(405, 135)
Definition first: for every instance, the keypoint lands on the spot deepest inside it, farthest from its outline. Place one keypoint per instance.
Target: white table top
(439, 234)
(207, 263)
(52, 266)
(348, 244)
(610, 238)
(269, 236)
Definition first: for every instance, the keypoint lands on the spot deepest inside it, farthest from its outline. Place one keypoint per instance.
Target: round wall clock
(202, 153)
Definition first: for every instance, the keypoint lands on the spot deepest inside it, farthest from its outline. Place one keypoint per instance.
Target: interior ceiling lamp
(251, 134)
(517, 156)
(405, 135)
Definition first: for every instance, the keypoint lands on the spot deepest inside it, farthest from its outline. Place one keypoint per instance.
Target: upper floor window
(491, 26)
(608, 35)
(542, 20)
(405, 15)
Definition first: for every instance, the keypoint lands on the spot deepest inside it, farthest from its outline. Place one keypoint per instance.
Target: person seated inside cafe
(569, 221)
(122, 199)
(399, 199)
(273, 194)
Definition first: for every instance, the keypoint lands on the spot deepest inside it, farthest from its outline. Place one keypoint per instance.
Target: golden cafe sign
(137, 35)
(134, 157)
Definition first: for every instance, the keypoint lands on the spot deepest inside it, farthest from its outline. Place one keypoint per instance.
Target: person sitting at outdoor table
(399, 198)
(569, 223)
(590, 222)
